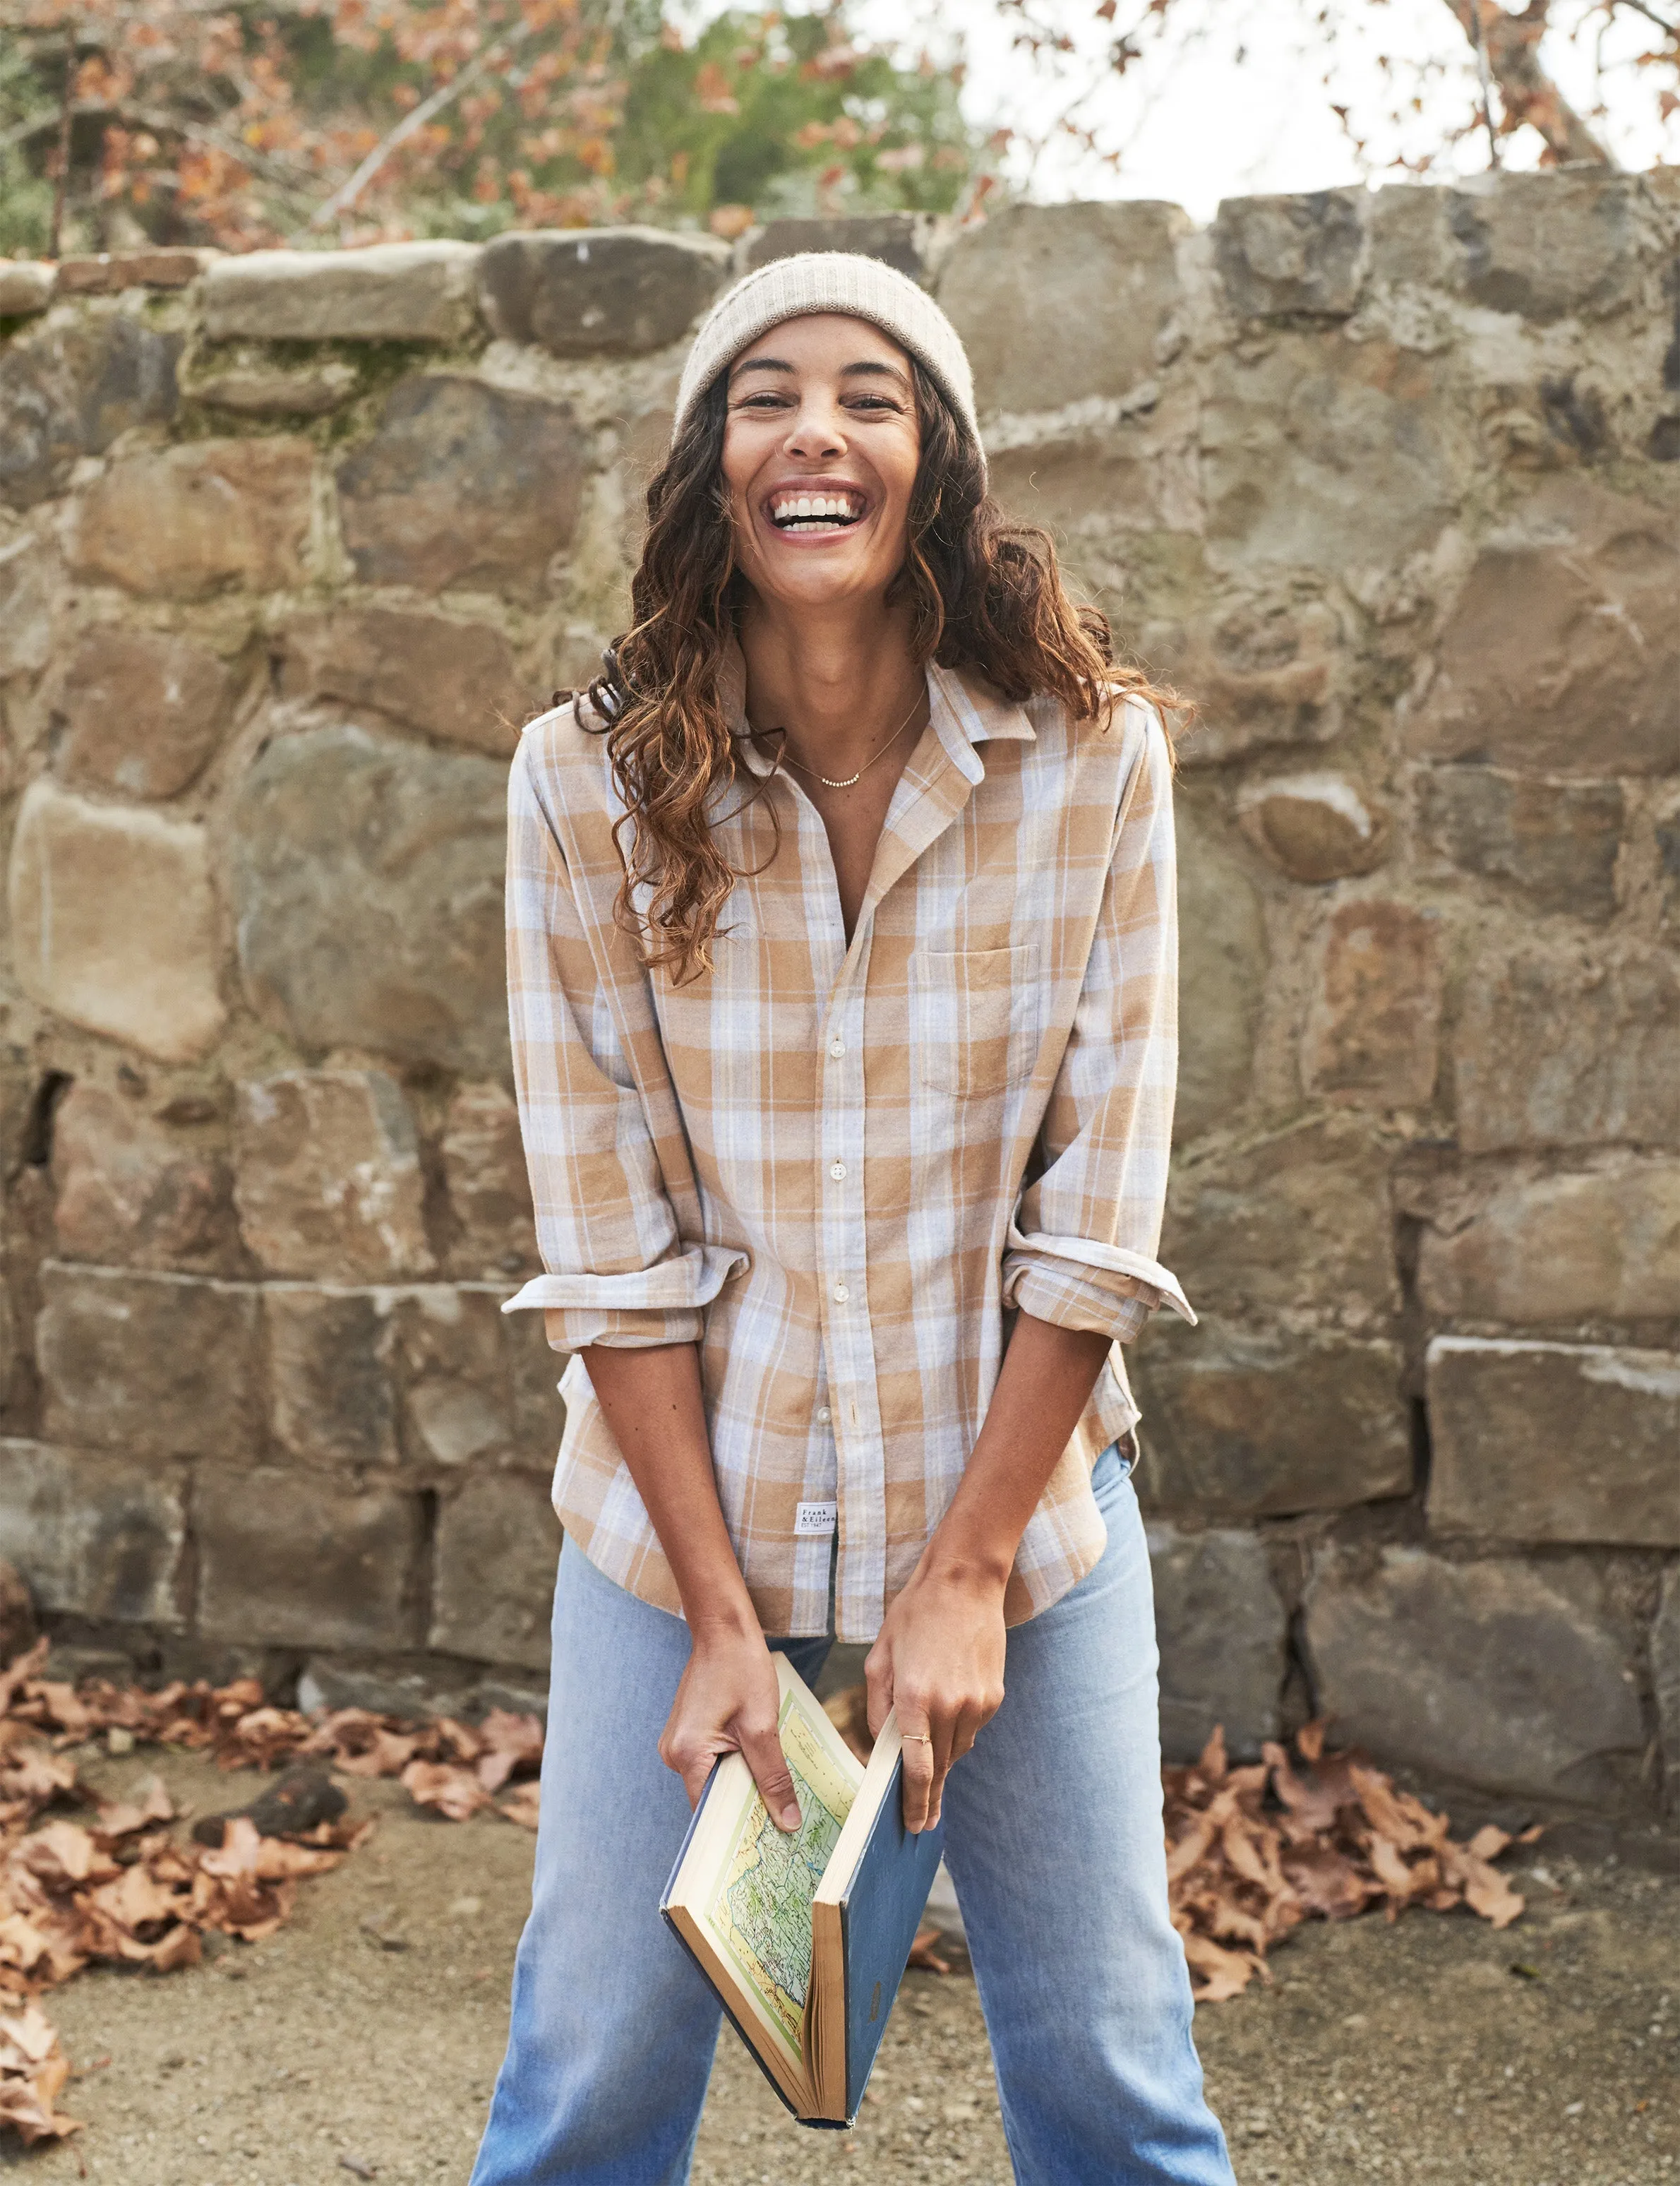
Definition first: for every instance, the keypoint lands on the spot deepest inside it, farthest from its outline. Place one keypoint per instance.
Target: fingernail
(790, 1818)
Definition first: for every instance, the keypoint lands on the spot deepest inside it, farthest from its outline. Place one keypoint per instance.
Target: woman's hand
(728, 1702)
(939, 1660)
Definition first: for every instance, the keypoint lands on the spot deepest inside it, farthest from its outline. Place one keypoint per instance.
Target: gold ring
(922, 1737)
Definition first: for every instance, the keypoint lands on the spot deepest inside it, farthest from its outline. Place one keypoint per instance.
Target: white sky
(1197, 124)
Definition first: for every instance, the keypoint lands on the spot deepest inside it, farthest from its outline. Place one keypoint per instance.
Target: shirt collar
(964, 711)
(968, 711)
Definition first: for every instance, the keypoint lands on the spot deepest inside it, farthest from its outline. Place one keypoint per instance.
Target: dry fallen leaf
(521, 1805)
(924, 1952)
(33, 2069)
(512, 1745)
(455, 1792)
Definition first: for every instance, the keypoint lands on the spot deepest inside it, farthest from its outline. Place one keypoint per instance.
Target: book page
(759, 1911)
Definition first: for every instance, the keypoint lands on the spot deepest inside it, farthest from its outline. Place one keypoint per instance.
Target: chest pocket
(966, 1003)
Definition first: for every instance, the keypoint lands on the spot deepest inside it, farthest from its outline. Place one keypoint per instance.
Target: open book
(804, 1934)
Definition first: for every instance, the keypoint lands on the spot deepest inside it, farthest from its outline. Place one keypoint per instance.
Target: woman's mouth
(806, 513)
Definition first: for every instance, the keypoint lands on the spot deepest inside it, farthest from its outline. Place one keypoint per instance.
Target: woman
(842, 967)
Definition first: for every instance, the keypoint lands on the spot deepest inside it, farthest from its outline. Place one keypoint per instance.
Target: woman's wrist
(724, 1619)
(966, 1559)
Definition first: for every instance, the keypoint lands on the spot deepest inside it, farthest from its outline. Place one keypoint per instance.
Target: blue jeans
(1053, 1837)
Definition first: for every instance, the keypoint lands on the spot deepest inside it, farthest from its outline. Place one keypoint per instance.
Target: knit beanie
(831, 280)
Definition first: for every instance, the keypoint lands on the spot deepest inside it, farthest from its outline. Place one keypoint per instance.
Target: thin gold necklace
(824, 779)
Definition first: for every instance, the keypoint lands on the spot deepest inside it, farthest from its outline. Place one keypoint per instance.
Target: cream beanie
(831, 280)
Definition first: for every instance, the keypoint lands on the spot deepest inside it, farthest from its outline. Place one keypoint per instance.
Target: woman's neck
(836, 681)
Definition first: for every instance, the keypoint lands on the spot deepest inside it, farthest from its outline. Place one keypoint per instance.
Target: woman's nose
(817, 431)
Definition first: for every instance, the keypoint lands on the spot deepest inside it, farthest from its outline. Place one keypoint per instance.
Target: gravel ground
(362, 2041)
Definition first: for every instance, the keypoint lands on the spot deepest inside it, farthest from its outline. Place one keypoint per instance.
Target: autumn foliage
(344, 121)
(1252, 1852)
(121, 1888)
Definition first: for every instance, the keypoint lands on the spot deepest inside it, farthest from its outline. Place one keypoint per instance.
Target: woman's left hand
(939, 1660)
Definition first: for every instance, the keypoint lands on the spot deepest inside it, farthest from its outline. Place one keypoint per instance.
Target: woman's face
(820, 455)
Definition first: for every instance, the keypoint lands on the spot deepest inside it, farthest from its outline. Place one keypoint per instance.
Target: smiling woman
(841, 966)
(828, 622)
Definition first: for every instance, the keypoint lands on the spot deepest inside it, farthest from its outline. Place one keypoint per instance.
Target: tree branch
(283, 173)
(55, 232)
(1512, 45)
(1669, 30)
(347, 193)
(1485, 78)
(161, 124)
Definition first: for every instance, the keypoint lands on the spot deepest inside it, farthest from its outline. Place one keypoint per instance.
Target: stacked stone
(294, 545)
(1387, 483)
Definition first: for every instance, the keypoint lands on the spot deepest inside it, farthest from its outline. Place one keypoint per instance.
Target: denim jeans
(1053, 1837)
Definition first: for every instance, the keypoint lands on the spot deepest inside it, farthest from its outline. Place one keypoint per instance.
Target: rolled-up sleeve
(617, 1270)
(1082, 1248)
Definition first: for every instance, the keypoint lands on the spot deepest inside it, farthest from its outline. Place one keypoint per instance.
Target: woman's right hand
(728, 1702)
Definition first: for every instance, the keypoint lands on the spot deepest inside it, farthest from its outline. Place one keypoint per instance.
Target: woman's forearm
(1045, 1384)
(651, 1398)
(728, 1696)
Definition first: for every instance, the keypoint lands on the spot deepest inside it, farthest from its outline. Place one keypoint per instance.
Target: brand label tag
(816, 1517)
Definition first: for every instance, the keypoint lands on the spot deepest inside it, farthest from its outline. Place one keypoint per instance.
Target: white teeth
(814, 507)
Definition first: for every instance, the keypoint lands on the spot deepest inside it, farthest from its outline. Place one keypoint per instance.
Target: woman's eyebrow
(761, 364)
(876, 370)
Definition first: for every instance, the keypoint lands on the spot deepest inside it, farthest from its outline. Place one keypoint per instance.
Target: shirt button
(840, 1294)
(837, 1048)
(824, 1415)
(837, 1171)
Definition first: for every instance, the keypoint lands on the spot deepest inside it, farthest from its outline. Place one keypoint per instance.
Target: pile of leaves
(120, 1887)
(1252, 1852)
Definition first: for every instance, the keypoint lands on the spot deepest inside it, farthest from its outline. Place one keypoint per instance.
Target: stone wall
(1388, 483)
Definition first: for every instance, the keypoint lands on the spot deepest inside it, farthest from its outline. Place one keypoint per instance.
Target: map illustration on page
(761, 1913)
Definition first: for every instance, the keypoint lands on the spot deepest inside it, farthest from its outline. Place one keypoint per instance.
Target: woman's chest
(950, 983)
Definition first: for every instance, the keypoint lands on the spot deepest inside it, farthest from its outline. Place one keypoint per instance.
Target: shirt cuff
(577, 1327)
(1077, 1283)
(633, 1311)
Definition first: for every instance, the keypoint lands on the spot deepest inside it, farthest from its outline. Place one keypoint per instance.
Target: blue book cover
(880, 1908)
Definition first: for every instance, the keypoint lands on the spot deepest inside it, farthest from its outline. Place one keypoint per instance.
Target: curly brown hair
(985, 594)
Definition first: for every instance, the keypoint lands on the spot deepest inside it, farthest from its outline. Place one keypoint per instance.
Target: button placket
(814, 1547)
(849, 1343)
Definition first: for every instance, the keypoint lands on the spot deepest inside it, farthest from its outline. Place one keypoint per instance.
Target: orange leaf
(61, 1855)
(521, 1805)
(1223, 1973)
(454, 1792)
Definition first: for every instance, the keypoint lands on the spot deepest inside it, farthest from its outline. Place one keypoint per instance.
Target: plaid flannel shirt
(840, 1168)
